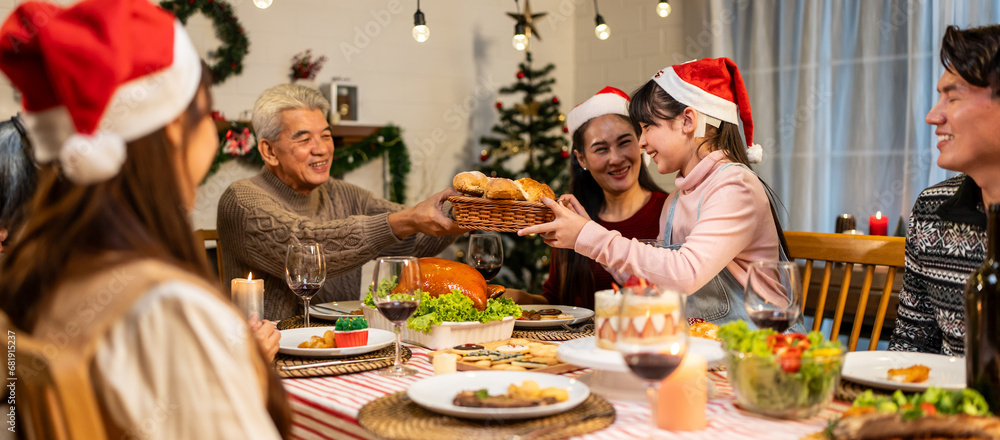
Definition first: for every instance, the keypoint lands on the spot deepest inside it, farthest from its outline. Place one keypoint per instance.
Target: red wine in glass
(486, 254)
(488, 271)
(777, 320)
(397, 311)
(306, 290)
(653, 366)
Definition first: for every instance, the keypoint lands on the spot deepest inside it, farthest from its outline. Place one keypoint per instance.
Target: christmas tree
(528, 141)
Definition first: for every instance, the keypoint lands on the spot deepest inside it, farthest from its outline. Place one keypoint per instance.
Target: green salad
(928, 403)
(450, 307)
(781, 375)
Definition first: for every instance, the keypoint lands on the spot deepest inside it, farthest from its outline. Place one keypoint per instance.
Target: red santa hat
(713, 87)
(94, 76)
(606, 102)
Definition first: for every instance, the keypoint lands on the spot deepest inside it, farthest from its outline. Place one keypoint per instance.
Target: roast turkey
(439, 276)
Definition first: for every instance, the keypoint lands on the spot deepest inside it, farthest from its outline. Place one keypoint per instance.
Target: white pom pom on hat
(88, 159)
(141, 73)
(713, 87)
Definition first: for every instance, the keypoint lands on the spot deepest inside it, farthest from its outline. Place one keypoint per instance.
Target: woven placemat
(556, 334)
(299, 321)
(397, 417)
(335, 370)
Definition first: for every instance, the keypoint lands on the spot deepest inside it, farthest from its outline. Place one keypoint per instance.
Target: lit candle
(248, 295)
(878, 225)
(683, 395)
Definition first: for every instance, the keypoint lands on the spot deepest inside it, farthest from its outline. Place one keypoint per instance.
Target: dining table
(327, 407)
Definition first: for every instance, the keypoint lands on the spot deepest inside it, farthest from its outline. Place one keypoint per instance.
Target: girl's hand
(561, 232)
(571, 201)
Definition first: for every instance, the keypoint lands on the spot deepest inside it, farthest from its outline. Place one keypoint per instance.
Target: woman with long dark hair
(610, 182)
(107, 271)
(720, 218)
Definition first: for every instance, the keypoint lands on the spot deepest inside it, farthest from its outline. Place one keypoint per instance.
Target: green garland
(235, 45)
(386, 141)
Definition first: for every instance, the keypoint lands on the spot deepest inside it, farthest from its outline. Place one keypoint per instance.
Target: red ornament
(555, 99)
(484, 157)
(520, 75)
(565, 129)
(373, 146)
(499, 105)
(564, 154)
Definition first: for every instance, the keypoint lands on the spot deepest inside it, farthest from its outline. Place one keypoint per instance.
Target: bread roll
(534, 191)
(470, 182)
(499, 188)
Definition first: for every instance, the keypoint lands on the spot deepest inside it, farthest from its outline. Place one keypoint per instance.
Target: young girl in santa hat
(720, 218)
(113, 296)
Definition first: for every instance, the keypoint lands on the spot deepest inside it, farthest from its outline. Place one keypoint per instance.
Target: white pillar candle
(248, 295)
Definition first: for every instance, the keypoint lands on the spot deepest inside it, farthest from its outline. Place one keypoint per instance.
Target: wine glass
(399, 302)
(305, 271)
(773, 296)
(486, 254)
(652, 336)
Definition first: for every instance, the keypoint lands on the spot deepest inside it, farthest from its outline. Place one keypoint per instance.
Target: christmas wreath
(238, 142)
(235, 45)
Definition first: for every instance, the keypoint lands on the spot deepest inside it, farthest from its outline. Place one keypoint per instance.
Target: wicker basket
(498, 215)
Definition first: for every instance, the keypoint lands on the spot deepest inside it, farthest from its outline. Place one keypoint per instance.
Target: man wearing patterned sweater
(946, 238)
(293, 199)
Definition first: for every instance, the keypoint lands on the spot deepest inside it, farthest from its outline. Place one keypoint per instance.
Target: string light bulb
(420, 30)
(663, 8)
(520, 40)
(601, 30)
(263, 4)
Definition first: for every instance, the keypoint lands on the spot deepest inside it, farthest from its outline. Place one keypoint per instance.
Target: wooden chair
(213, 235)
(55, 397)
(867, 250)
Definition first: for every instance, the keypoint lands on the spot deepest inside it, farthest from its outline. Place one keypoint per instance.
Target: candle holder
(845, 222)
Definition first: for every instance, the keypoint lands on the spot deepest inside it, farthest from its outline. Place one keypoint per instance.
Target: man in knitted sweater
(946, 238)
(293, 199)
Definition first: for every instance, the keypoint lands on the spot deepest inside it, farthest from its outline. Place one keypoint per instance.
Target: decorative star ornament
(529, 19)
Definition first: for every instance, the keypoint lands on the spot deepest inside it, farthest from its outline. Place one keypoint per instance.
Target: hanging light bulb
(602, 30)
(520, 40)
(263, 4)
(663, 8)
(420, 30)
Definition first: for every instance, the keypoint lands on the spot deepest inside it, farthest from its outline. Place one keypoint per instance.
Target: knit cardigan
(259, 217)
(945, 243)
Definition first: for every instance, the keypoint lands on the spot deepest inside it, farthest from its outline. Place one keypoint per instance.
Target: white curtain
(839, 90)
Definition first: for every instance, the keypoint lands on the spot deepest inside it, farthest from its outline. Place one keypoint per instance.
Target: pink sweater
(735, 228)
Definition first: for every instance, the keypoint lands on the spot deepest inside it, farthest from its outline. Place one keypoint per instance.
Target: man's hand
(426, 217)
(561, 232)
(267, 335)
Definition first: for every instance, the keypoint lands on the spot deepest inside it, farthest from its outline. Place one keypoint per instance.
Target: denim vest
(721, 299)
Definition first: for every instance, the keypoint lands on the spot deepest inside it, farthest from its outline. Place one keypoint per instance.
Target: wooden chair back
(866, 250)
(55, 398)
(213, 235)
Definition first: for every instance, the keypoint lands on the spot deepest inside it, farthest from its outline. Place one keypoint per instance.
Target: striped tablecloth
(327, 408)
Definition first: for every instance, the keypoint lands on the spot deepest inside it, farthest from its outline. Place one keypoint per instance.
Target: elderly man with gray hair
(293, 199)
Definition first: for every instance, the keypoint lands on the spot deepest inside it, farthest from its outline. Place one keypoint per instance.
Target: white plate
(291, 338)
(584, 352)
(341, 309)
(436, 393)
(872, 368)
(580, 314)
